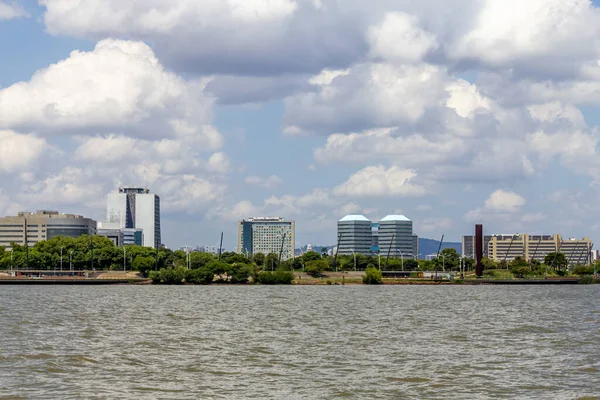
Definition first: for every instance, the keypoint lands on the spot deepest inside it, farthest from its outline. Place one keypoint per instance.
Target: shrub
(275, 278)
(498, 274)
(202, 276)
(372, 276)
(240, 273)
(588, 279)
(169, 276)
(315, 268)
(583, 270)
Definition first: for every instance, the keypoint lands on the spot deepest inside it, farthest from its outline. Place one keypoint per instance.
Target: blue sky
(306, 109)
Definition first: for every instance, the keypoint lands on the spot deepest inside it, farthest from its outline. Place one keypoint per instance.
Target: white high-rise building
(267, 235)
(136, 208)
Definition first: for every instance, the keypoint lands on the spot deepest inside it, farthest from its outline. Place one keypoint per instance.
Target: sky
(451, 113)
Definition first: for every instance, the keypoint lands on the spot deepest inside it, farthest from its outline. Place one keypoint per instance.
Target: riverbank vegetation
(178, 267)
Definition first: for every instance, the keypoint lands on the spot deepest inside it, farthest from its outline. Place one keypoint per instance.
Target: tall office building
(43, 225)
(355, 235)
(266, 235)
(136, 208)
(396, 237)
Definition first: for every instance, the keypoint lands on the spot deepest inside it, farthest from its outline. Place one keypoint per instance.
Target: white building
(266, 235)
(136, 208)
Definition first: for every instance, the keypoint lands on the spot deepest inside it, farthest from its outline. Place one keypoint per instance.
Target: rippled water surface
(300, 342)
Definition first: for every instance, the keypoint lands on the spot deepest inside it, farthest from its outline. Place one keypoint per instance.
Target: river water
(288, 342)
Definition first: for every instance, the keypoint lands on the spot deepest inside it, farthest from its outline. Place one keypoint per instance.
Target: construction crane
(281, 250)
(389, 250)
(336, 251)
(440, 246)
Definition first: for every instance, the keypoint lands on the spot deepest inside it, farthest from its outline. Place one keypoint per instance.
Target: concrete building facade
(355, 235)
(32, 228)
(136, 208)
(266, 235)
(531, 247)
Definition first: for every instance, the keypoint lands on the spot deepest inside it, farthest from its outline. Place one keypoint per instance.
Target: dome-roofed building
(395, 235)
(354, 234)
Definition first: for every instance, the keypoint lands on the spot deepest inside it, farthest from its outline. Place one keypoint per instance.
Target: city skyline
(450, 118)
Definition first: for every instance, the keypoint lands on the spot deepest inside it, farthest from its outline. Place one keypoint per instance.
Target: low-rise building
(530, 247)
(121, 236)
(31, 228)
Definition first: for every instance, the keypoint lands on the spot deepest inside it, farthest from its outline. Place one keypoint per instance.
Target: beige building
(43, 225)
(266, 235)
(508, 247)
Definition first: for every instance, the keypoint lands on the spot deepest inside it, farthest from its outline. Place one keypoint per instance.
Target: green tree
(310, 256)
(468, 264)
(235, 258)
(488, 263)
(316, 267)
(275, 278)
(411, 265)
(372, 276)
(200, 259)
(220, 269)
(271, 261)
(556, 260)
(241, 273)
(259, 259)
(144, 264)
(582, 270)
(449, 259)
(519, 267)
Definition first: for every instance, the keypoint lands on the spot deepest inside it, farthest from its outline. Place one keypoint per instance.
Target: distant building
(395, 235)
(308, 247)
(530, 247)
(375, 237)
(266, 235)
(43, 225)
(120, 236)
(136, 208)
(354, 235)
(468, 244)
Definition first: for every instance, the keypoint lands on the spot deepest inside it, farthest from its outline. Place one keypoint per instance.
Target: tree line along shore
(166, 266)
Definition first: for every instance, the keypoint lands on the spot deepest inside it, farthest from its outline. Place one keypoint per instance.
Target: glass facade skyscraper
(355, 235)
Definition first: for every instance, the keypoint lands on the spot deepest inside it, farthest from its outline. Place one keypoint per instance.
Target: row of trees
(96, 252)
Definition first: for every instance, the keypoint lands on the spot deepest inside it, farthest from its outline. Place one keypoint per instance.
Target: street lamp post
(379, 260)
(443, 263)
(61, 264)
(124, 259)
(71, 260)
(401, 258)
(354, 254)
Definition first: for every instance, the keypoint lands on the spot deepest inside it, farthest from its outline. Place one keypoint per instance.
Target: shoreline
(301, 282)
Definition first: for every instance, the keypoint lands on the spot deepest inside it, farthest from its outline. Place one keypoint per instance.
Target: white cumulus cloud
(377, 181)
